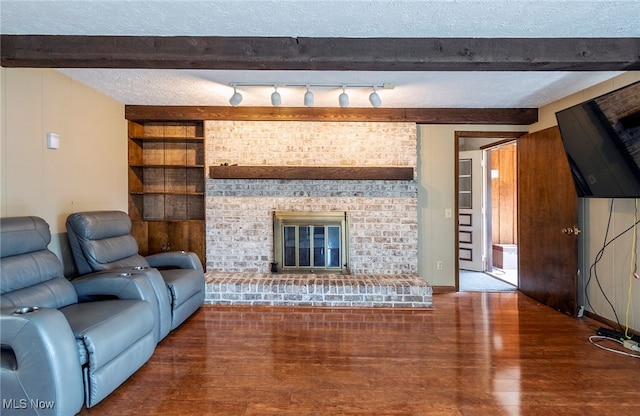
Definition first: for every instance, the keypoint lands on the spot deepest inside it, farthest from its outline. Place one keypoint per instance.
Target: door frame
(489, 194)
(506, 136)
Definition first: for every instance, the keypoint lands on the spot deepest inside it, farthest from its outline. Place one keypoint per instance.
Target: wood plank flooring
(475, 354)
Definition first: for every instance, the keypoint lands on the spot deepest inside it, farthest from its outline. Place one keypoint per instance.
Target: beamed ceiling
(446, 68)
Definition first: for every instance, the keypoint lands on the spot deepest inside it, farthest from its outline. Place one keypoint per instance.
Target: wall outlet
(439, 265)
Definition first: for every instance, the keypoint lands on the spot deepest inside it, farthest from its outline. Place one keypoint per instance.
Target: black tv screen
(601, 138)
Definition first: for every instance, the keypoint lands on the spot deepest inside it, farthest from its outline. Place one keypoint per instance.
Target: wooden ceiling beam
(505, 116)
(324, 54)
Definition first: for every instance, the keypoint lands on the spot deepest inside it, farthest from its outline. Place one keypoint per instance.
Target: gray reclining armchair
(57, 353)
(102, 240)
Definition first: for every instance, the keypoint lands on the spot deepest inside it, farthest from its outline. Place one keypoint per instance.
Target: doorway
(487, 209)
(502, 213)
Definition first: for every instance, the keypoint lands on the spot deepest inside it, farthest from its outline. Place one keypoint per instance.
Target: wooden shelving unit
(166, 185)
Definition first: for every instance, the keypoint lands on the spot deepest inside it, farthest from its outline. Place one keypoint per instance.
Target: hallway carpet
(482, 282)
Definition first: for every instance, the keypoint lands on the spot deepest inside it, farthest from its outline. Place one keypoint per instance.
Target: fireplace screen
(310, 241)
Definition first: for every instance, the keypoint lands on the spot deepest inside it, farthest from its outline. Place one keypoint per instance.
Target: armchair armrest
(179, 259)
(142, 283)
(125, 283)
(39, 363)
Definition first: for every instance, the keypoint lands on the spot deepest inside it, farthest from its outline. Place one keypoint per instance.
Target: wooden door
(547, 202)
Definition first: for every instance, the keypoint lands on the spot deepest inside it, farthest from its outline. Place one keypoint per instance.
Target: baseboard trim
(443, 289)
(605, 321)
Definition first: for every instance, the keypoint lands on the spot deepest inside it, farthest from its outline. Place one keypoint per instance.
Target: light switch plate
(53, 141)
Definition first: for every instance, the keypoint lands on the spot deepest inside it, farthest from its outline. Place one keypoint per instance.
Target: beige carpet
(482, 282)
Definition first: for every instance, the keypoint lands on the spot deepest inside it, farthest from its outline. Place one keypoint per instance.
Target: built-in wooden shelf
(312, 172)
(167, 193)
(157, 166)
(167, 139)
(166, 185)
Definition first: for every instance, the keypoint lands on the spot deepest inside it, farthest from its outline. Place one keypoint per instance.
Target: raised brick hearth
(329, 290)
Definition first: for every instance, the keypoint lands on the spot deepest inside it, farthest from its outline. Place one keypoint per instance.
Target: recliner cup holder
(126, 274)
(26, 310)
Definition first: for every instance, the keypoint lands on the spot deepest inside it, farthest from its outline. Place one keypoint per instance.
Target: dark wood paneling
(311, 172)
(197, 240)
(506, 116)
(178, 235)
(504, 207)
(140, 231)
(335, 54)
(158, 236)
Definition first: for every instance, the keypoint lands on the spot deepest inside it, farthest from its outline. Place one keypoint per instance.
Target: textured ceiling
(325, 18)
(413, 89)
(296, 18)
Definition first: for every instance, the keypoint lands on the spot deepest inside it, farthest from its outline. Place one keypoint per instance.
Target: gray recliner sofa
(57, 352)
(102, 240)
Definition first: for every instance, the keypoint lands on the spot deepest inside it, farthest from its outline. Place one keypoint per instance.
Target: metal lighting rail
(385, 86)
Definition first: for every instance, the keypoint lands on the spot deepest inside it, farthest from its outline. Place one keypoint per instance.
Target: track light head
(343, 98)
(236, 98)
(374, 99)
(308, 98)
(276, 99)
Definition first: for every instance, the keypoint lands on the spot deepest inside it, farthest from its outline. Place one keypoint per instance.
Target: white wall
(87, 172)
(614, 268)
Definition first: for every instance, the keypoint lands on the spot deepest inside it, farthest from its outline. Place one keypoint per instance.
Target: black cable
(593, 268)
(598, 280)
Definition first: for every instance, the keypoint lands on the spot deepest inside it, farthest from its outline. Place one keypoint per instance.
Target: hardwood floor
(475, 354)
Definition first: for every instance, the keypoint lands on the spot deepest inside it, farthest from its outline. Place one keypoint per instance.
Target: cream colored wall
(3, 152)
(436, 193)
(87, 172)
(613, 270)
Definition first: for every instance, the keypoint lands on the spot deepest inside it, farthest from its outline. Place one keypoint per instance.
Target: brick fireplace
(382, 225)
(381, 214)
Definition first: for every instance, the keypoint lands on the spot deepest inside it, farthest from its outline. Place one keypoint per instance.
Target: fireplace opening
(311, 242)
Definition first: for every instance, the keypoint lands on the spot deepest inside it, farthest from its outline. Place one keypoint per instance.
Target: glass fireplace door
(300, 246)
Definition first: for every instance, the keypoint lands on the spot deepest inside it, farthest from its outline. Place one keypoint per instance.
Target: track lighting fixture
(236, 98)
(343, 98)
(276, 100)
(308, 98)
(374, 99)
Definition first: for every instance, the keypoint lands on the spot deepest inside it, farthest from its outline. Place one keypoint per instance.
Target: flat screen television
(601, 138)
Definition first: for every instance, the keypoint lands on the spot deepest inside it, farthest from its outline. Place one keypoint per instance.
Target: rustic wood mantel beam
(335, 54)
(388, 173)
(506, 116)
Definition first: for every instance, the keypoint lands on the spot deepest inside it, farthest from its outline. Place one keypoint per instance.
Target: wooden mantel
(312, 172)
